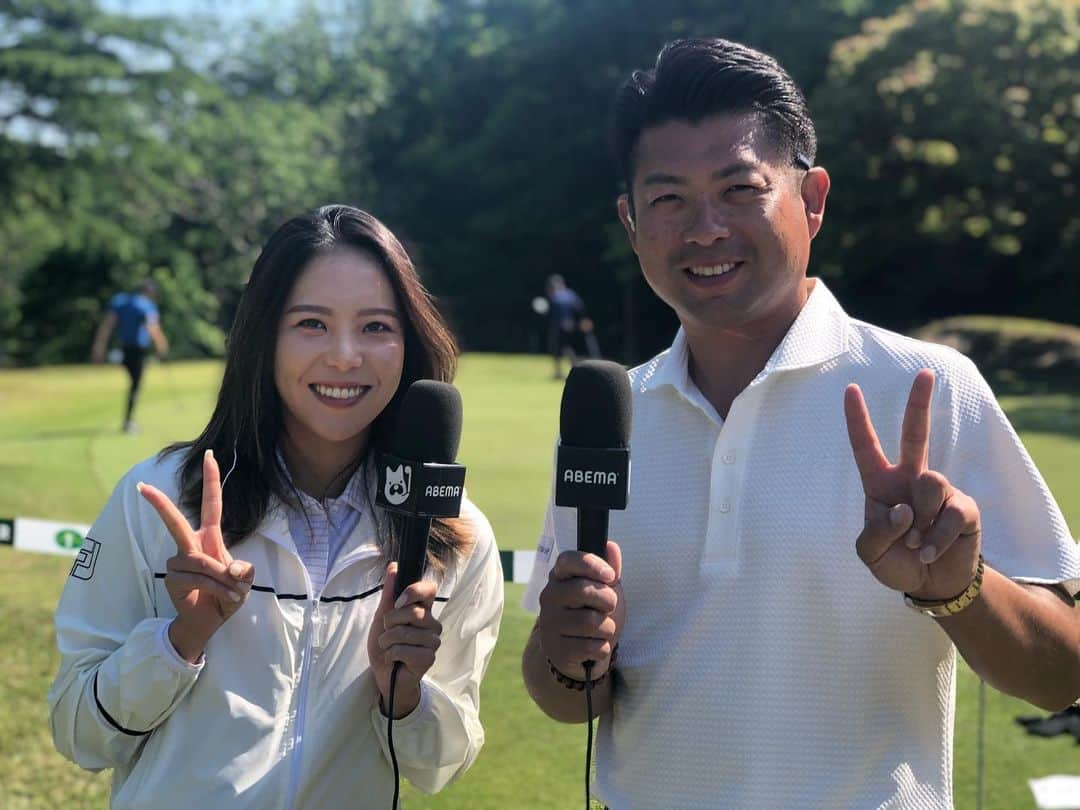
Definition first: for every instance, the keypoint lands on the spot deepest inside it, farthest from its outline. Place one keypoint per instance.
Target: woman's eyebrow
(320, 310)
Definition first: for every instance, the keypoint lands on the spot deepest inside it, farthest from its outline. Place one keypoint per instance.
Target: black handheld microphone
(418, 477)
(592, 470)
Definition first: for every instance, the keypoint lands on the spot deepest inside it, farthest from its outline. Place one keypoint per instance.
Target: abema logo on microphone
(398, 484)
(601, 477)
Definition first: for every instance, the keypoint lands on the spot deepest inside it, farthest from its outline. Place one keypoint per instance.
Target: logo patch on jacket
(87, 559)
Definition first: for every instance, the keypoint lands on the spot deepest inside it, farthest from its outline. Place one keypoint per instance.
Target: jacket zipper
(296, 748)
(311, 617)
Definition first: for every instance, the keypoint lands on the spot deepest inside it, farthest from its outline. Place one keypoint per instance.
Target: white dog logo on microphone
(398, 483)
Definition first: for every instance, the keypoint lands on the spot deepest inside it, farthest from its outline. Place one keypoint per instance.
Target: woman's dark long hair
(247, 423)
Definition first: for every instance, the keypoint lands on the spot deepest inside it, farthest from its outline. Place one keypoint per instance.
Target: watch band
(950, 607)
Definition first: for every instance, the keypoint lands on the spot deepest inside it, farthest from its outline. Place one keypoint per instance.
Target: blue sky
(225, 9)
(227, 16)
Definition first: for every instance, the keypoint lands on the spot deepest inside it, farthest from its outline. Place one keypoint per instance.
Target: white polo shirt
(761, 664)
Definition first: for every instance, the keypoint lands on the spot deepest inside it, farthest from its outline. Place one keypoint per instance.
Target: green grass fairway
(61, 452)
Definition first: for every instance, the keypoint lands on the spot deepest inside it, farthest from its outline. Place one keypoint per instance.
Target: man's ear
(814, 190)
(627, 219)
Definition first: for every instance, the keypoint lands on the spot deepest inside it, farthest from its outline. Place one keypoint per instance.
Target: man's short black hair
(695, 79)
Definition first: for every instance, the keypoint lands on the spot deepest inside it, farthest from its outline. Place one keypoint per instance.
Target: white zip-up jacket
(283, 711)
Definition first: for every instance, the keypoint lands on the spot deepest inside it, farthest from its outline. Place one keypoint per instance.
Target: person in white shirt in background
(246, 663)
(769, 588)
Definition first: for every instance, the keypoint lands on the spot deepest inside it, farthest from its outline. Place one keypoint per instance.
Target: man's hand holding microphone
(582, 608)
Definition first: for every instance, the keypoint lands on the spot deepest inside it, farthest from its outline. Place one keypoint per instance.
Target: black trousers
(134, 361)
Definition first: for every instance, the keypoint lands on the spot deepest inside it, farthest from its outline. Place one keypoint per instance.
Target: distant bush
(1017, 355)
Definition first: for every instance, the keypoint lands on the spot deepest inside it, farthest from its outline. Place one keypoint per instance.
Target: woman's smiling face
(340, 351)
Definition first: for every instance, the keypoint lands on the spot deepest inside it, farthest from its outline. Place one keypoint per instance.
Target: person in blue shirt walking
(570, 330)
(134, 317)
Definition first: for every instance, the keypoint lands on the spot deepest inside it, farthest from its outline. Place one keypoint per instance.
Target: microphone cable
(419, 480)
(586, 686)
(588, 745)
(390, 735)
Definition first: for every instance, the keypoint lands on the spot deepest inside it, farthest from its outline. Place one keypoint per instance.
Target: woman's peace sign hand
(205, 583)
(921, 534)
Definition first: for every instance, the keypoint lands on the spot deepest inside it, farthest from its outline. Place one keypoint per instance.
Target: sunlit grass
(61, 452)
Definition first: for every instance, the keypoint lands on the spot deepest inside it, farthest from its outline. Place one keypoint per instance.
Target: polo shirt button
(725, 507)
(729, 458)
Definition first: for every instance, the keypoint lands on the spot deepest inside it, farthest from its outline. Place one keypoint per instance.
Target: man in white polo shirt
(788, 592)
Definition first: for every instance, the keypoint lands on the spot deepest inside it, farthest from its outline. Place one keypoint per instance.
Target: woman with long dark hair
(247, 662)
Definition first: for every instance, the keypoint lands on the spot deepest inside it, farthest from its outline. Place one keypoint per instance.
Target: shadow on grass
(1016, 355)
(1061, 417)
(68, 433)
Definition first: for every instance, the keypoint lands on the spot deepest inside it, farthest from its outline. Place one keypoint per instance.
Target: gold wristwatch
(950, 607)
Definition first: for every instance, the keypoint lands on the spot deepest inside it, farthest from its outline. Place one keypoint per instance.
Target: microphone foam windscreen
(595, 408)
(428, 426)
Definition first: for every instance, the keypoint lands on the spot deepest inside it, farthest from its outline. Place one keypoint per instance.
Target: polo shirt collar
(355, 492)
(819, 333)
(672, 367)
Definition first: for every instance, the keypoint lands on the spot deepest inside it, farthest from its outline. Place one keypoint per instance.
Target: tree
(951, 133)
(76, 144)
(123, 162)
(491, 151)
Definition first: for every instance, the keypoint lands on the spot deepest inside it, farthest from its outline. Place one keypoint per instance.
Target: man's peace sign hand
(205, 583)
(921, 535)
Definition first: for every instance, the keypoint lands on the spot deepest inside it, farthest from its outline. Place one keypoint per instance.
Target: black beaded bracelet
(574, 683)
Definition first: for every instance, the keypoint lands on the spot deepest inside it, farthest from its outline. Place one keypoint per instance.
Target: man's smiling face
(722, 223)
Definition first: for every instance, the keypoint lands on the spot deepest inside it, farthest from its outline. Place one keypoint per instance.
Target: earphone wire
(235, 459)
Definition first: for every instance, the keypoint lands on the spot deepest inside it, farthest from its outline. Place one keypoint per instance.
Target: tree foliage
(124, 162)
(477, 130)
(951, 132)
(491, 154)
